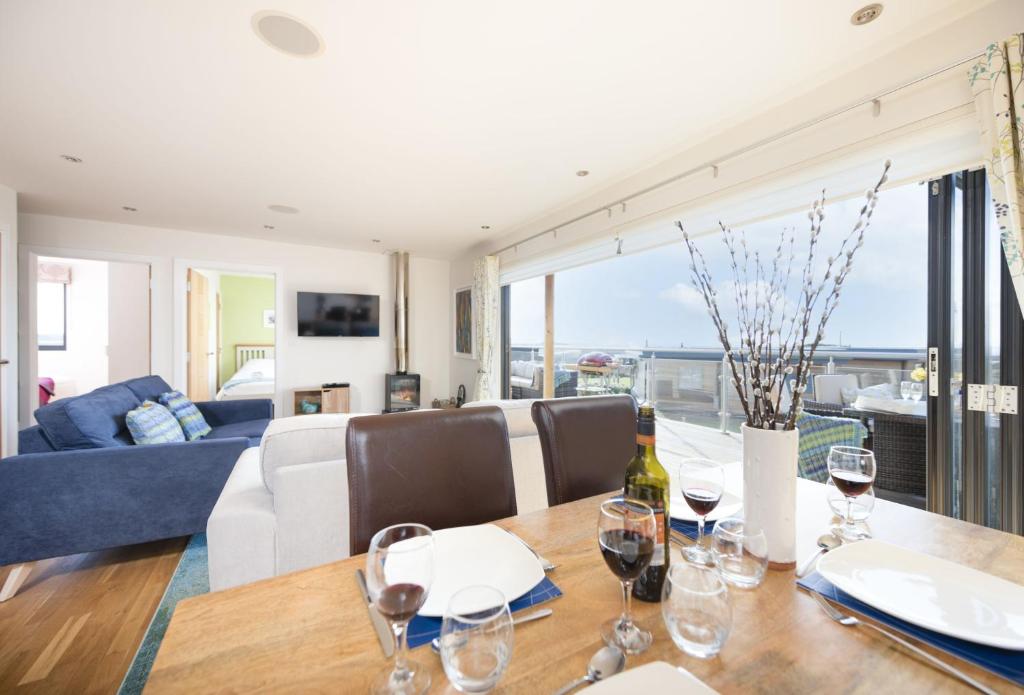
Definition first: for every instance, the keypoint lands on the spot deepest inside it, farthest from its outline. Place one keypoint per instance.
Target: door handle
(4, 362)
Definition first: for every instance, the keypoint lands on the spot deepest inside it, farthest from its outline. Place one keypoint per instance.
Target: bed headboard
(244, 353)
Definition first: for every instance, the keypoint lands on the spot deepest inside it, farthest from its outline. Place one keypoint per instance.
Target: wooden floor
(76, 623)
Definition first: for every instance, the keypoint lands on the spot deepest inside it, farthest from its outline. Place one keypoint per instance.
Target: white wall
(82, 365)
(9, 318)
(302, 362)
(429, 302)
(127, 321)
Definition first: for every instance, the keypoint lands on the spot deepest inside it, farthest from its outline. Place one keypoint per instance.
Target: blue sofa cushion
(147, 388)
(252, 429)
(185, 411)
(152, 423)
(92, 420)
(32, 440)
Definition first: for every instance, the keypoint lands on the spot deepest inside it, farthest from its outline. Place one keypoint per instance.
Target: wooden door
(198, 336)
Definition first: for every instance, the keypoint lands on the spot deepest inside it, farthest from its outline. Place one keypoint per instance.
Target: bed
(255, 375)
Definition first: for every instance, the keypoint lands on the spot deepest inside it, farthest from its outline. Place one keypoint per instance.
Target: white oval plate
(935, 594)
(727, 506)
(645, 679)
(486, 554)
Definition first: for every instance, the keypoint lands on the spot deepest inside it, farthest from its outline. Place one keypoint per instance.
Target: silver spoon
(826, 542)
(605, 663)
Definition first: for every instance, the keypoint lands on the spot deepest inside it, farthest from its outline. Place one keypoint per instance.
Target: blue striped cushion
(192, 422)
(151, 423)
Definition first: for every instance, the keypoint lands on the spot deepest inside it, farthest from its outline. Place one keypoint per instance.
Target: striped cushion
(818, 434)
(191, 420)
(151, 423)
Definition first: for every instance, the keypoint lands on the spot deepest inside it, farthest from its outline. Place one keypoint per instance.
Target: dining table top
(309, 631)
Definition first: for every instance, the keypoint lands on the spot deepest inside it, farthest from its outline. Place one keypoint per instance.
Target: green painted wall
(242, 301)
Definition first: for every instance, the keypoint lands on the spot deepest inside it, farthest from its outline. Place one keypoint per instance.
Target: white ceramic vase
(769, 490)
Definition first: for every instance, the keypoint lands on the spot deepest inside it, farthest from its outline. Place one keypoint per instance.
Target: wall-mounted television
(334, 315)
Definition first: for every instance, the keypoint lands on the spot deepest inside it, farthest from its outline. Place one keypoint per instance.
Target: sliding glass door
(974, 454)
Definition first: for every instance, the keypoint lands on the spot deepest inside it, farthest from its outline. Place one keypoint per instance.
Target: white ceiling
(420, 122)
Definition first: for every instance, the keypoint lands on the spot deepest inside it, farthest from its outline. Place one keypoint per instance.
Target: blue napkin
(689, 528)
(423, 629)
(1007, 663)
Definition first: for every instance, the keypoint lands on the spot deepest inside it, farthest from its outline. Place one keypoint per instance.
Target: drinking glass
(702, 482)
(905, 389)
(740, 553)
(916, 390)
(852, 469)
(399, 571)
(476, 639)
(696, 608)
(626, 533)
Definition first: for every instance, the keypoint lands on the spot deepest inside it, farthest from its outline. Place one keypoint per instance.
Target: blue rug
(191, 578)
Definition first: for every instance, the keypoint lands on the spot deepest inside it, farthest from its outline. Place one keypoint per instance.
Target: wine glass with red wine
(852, 469)
(626, 533)
(399, 571)
(702, 482)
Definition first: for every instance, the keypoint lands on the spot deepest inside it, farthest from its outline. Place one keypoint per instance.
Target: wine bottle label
(644, 439)
(660, 522)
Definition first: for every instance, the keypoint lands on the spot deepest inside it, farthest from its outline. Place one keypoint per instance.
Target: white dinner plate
(656, 676)
(485, 554)
(935, 594)
(727, 506)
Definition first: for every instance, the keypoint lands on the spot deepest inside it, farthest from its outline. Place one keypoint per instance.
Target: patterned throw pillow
(151, 423)
(191, 420)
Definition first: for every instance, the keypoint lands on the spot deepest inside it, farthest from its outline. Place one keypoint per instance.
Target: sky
(647, 298)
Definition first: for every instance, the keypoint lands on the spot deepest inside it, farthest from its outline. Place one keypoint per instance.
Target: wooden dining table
(310, 632)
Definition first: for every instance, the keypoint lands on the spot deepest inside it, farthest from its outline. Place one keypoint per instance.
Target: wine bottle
(647, 481)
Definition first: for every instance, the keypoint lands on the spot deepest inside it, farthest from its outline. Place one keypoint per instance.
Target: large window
(51, 312)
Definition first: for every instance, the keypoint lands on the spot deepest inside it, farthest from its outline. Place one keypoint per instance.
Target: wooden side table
(335, 399)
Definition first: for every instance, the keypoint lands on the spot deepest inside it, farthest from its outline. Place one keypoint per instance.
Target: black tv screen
(349, 315)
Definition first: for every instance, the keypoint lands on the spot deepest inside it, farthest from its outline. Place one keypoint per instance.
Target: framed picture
(464, 323)
(268, 318)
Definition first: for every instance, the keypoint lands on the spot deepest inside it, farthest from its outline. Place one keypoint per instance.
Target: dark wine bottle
(648, 482)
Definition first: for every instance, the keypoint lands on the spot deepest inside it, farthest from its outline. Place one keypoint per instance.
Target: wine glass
(476, 639)
(702, 482)
(852, 469)
(916, 391)
(626, 533)
(696, 608)
(905, 388)
(399, 571)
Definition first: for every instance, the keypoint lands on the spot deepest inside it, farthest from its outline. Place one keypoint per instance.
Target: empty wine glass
(905, 387)
(702, 482)
(852, 469)
(476, 639)
(399, 571)
(916, 391)
(626, 532)
(740, 553)
(696, 607)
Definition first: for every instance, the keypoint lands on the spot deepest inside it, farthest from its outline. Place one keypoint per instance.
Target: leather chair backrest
(441, 468)
(586, 443)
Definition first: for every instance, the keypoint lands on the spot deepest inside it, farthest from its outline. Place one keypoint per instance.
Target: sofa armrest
(311, 505)
(66, 502)
(219, 413)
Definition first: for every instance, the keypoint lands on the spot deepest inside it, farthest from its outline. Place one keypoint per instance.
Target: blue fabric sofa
(80, 484)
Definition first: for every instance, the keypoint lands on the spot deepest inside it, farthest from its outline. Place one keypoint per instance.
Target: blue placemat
(689, 528)
(423, 629)
(1003, 662)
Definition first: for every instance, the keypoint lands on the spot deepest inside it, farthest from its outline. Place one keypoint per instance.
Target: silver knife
(380, 625)
(435, 643)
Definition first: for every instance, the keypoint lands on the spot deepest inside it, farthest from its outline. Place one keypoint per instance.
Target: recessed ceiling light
(129, 208)
(485, 226)
(268, 226)
(287, 34)
(72, 159)
(582, 172)
(866, 14)
(376, 241)
(286, 209)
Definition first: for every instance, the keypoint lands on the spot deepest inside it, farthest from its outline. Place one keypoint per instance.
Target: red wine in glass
(627, 553)
(399, 602)
(701, 500)
(851, 483)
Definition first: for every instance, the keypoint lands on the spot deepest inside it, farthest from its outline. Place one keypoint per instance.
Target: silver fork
(545, 564)
(851, 621)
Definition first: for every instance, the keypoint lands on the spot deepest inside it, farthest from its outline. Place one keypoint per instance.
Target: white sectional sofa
(285, 505)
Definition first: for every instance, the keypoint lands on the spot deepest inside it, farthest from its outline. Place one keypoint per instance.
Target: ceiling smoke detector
(287, 34)
(285, 209)
(866, 14)
(71, 158)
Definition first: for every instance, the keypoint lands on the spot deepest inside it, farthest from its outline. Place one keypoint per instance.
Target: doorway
(230, 334)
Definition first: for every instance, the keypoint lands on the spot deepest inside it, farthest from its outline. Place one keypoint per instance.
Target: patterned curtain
(996, 82)
(486, 308)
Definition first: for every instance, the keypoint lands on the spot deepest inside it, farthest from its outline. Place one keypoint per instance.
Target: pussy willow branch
(771, 330)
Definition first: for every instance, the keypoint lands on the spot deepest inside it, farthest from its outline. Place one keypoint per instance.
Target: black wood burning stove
(401, 392)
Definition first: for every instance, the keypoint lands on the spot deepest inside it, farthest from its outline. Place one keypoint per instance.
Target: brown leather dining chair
(586, 443)
(441, 468)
